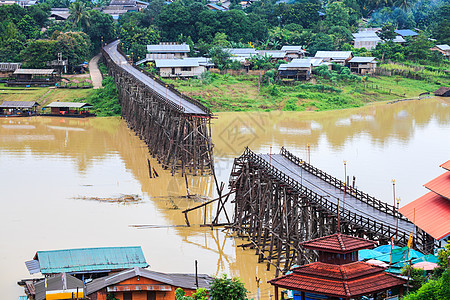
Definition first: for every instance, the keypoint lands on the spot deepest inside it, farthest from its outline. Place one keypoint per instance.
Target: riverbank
(250, 93)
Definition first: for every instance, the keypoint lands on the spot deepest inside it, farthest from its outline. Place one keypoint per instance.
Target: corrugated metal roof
(241, 51)
(34, 71)
(431, 213)
(55, 283)
(33, 266)
(186, 281)
(70, 104)
(18, 104)
(361, 59)
(406, 32)
(334, 54)
(443, 47)
(314, 61)
(273, 53)
(174, 63)
(440, 185)
(183, 48)
(446, 165)
(90, 259)
(399, 39)
(295, 65)
(292, 49)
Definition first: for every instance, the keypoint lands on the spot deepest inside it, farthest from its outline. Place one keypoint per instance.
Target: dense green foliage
(225, 288)
(200, 294)
(434, 289)
(105, 100)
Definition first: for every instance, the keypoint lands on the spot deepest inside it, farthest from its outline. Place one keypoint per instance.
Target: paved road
(164, 92)
(332, 193)
(96, 75)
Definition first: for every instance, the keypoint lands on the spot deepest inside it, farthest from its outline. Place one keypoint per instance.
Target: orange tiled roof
(432, 214)
(446, 165)
(338, 243)
(341, 272)
(440, 185)
(330, 286)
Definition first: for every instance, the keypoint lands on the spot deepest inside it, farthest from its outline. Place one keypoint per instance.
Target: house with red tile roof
(338, 273)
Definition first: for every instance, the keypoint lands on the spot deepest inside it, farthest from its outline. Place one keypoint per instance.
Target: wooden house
(181, 68)
(443, 49)
(337, 274)
(297, 70)
(363, 65)
(141, 284)
(7, 69)
(33, 77)
(338, 57)
(18, 108)
(59, 14)
(442, 92)
(367, 38)
(69, 109)
(86, 262)
(167, 51)
(292, 52)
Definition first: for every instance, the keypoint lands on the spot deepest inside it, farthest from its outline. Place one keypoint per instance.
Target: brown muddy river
(59, 179)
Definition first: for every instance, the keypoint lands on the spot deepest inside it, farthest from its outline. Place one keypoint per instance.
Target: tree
(136, 38)
(219, 57)
(74, 46)
(40, 13)
(227, 288)
(321, 41)
(434, 289)
(340, 35)
(102, 28)
(419, 47)
(38, 52)
(220, 39)
(28, 27)
(200, 294)
(337, 14)
(79, 15)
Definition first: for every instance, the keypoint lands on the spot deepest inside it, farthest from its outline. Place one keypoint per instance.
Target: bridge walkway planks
(164, 92)
(332, 193)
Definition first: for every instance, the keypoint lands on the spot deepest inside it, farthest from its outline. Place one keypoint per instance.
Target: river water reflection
(53, 170)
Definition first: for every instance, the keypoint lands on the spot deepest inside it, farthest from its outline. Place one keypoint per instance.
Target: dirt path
(96, 75)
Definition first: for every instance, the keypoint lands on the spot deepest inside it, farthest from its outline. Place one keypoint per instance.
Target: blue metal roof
(406, 32)
(90, 259)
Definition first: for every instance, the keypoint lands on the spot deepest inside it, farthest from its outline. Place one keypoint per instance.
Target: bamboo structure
(276, 212)
(179, 139)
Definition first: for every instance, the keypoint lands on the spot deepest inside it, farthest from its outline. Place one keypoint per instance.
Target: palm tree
(79, 14)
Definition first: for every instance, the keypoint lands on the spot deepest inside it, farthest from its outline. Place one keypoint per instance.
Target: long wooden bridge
(176, 128)
(281, 200)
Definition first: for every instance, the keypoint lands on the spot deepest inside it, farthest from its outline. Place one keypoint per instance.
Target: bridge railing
(169, 87)
(161, 98)
(358, 194)
(333, 209)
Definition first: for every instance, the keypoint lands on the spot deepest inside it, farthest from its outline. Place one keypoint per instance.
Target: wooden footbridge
(176, 128)
(280, 201)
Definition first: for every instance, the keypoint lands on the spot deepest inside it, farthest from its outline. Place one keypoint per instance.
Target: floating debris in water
(122, 199)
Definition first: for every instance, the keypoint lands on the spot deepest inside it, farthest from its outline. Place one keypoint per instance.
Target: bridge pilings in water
(179, 141)
(275, 213)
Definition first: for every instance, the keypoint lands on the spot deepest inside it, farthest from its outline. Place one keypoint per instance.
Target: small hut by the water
(442, 92)
(69, 109)
(18, 108)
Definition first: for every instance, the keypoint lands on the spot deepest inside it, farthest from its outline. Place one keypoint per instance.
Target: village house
(59, 13)
(363, 65)
(7, 69)
(275, 55)
(167, 51)
(337, 57)
(69, 109)
(216, 7)
(181, 68)
(141, 284)
(442, 92)
(443, 49)
(404, 33)
(292, 52)
(297, 70)
(18, 108)
(337, 274)
(33, 77)
(86, 262)
(367, 38)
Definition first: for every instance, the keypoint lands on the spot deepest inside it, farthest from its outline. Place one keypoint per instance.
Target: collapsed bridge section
(176, 128)
(281, 201)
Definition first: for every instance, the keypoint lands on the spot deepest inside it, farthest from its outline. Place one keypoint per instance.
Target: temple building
(337, 274)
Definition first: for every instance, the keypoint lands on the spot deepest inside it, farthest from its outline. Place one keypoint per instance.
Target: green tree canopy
(227, 288)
